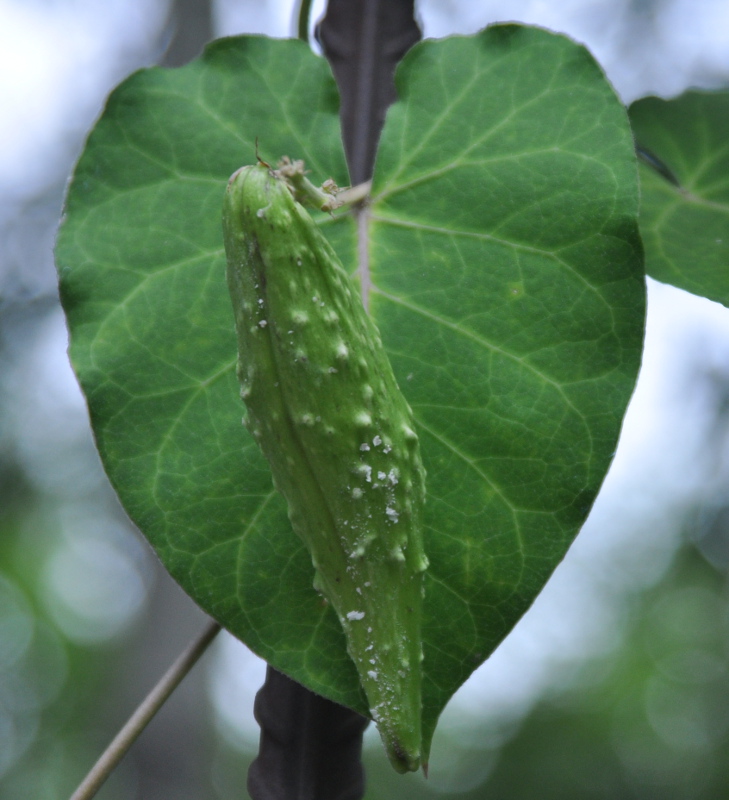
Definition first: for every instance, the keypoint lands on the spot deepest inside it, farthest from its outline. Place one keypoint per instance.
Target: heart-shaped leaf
(502, 264)
(684, 217)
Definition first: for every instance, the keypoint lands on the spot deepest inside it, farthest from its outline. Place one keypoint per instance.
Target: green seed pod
(329, 416)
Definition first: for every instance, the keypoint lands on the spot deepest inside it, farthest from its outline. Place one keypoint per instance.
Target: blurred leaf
(648, 719)
(685, 227)
(506, 281)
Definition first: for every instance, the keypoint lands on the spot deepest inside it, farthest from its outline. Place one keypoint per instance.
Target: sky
(59, 59)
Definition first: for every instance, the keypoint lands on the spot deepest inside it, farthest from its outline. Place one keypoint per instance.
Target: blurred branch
(144, 713)
(363, 41)
(192, 29)
(310, 747)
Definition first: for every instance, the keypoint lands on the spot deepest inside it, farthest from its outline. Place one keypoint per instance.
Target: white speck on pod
(263, 323)
(364, 447)
(364, 420)
(392, 514)
(410, 434)
(377, 441)
(397, 554)
(365, 470)
(355, 615)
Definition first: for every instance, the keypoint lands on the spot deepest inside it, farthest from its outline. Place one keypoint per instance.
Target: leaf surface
(685, 225)
(500, 259)
(507, 284)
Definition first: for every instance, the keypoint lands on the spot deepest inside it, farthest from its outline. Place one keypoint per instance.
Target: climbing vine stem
(144, 713)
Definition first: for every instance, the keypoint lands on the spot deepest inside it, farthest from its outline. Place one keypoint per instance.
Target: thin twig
(144, 713)
(354, 194)
(301, 18)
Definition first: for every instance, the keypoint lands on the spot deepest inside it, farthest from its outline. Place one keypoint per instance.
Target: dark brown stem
(310, 747)
(363, 41)
(192, 29)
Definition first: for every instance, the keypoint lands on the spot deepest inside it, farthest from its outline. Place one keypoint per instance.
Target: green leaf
(508, 287)
(685, 224)
(504, 271)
